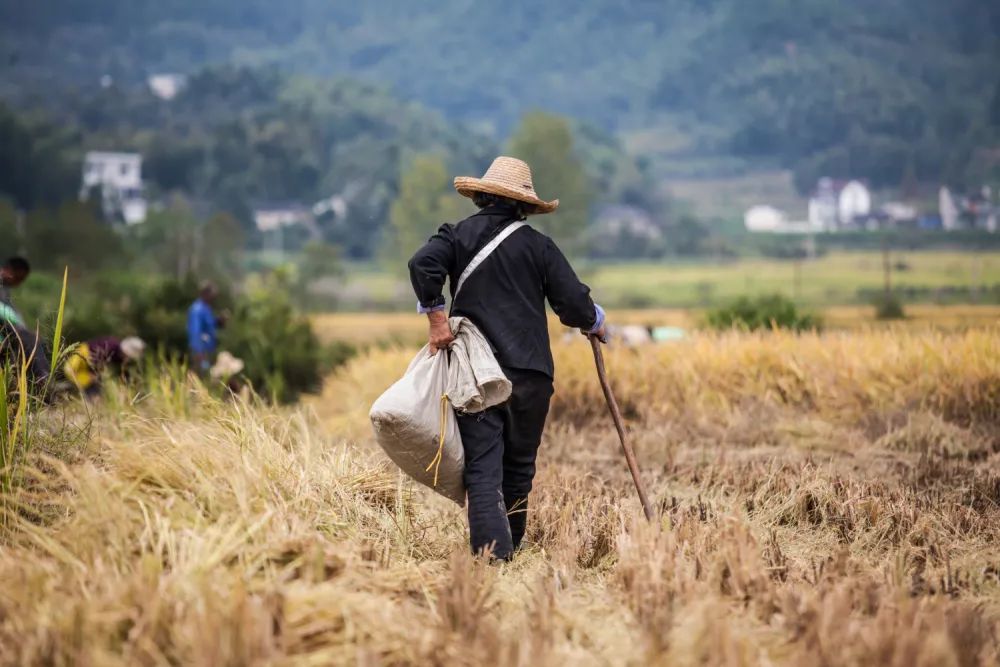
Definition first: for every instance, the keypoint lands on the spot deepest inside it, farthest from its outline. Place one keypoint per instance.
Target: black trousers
(500, 449)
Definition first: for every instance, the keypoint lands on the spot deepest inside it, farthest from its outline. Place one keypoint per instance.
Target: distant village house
(975, 211)
(622, 229)
(166, 86)
(765, 219)
(837, 205)
(117, 179)
(279, 216)
(274, 216)
(621, 219)
(833, 206)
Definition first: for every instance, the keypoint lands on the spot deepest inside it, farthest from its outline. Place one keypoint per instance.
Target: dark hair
(18, 264)
(518, 209)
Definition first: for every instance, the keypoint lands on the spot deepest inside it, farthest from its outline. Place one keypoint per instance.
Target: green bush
(889, 307)
(282, 356)
(124, 304)
(763, 312)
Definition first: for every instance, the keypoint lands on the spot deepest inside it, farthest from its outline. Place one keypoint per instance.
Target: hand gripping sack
(415, 425)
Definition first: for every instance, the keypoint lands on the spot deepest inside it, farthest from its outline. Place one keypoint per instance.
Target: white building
(823, 206)
(616, 220)
(854, 203)
(947, 209)
(836, 205)
(899, 212)
(764, 219)
(277, 216)
(117, 177)
(166, 86)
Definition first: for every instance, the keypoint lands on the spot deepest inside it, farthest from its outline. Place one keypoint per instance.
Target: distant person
(91, 359)
(202, 328)
(15, 333)
(12, 274)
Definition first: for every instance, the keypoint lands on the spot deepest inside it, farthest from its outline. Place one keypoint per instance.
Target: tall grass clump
(22, 397)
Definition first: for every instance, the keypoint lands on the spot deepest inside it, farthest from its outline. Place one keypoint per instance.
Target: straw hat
(507, 177)
(132, 347)
(226, 366)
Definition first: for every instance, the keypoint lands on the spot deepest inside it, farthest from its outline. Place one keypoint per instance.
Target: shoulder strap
(485, 252)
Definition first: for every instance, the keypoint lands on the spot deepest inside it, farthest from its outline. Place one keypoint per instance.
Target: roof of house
(278, 206)
(835, 185)
(111, 155)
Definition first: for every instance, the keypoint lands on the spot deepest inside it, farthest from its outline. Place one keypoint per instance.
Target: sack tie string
(436, 461)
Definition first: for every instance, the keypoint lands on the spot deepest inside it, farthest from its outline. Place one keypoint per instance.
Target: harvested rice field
(822, 499)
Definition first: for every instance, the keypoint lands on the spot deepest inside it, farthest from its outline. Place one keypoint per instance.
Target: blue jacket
(202, 337)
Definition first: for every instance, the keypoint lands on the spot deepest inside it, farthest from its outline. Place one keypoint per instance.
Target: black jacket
(505, 296)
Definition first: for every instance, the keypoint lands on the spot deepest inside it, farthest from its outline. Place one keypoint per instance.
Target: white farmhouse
(275, 216)
(166, 86)
(838, 204)
(854, 203)
(117, 178)
(764, 219)
(823, 207)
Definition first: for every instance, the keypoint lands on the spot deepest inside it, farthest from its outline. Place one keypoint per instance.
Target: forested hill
(885, 88)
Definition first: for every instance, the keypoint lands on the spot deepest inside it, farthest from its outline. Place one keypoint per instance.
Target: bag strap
(485, 252)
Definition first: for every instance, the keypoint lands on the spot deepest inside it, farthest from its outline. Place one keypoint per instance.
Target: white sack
(408, 418)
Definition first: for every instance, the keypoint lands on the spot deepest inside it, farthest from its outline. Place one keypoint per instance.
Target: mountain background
(904, 94)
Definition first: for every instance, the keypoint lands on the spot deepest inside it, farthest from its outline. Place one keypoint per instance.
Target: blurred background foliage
(362, 113)
(874, 88)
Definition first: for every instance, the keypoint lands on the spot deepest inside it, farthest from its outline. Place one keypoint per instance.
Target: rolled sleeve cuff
(599, 318)
(433, 308)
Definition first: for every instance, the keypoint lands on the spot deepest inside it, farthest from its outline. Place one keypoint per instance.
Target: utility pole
(886, 266)
(797, 279)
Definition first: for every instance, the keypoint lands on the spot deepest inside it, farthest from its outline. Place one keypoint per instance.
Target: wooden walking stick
(616, 414)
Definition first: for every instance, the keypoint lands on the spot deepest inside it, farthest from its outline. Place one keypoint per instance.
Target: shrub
(283, 357)
(889, 307)
(763, 312)
(128, 304)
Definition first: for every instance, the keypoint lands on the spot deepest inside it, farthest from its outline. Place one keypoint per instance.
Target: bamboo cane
(616, 415)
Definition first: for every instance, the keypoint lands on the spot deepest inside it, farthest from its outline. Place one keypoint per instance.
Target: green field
(835, 279)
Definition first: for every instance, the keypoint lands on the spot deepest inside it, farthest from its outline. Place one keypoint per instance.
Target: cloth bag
(415, 424)
(414, 420)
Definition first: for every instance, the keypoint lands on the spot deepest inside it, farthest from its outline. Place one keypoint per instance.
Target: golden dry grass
(823, 499)
(410, 329)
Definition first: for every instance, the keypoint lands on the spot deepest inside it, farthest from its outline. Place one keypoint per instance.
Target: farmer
(202, 325)
(92, 358)
(505, 298)
(15, 337)
(13, 272)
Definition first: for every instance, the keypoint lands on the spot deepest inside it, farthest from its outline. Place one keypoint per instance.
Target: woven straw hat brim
(467, 186)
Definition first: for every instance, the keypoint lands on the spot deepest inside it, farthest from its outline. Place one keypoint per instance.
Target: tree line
(887, 91)
(237, 138)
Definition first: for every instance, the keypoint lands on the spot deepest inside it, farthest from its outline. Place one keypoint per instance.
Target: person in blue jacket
(202, 328)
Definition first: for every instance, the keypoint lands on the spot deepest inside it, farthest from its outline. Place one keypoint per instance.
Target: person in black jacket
(505, 298)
